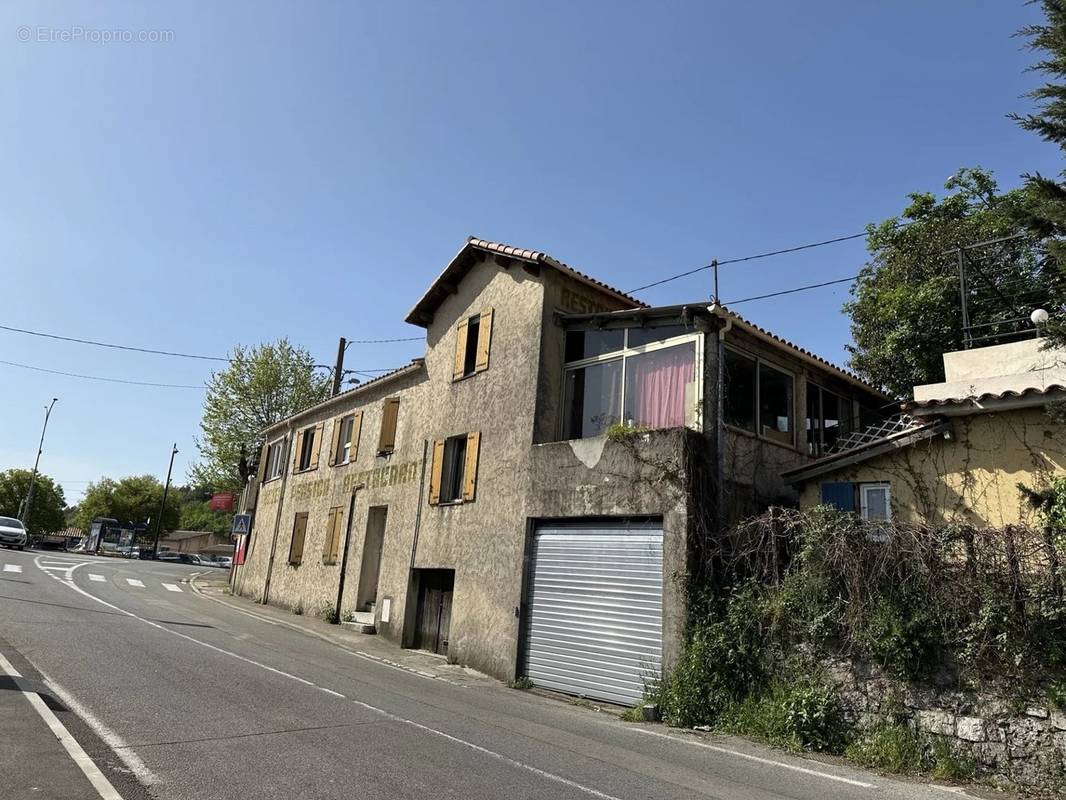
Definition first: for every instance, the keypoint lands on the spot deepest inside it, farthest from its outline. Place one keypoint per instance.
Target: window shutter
(484, 337)
(327, 551)
(316, 445)
(460, 350)
(357, 426)
(335, 440)
(840, 496)
(435, 472)
(298, 448)
(473, 444)
(296, 546)
(337, 525)
(263, 462)
(389, 416)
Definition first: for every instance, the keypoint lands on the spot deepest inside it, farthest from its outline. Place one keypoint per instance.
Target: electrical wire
(791, 291)
(99, 378)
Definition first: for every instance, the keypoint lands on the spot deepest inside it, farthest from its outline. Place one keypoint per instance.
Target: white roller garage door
(595, 609)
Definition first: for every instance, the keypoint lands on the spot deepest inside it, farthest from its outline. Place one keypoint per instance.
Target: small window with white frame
(876, 502)
(275, 460)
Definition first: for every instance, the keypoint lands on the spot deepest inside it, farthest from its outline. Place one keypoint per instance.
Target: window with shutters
(296, 546)
(274, 460)
(390, 416)
(473, 337)
(331, 549)
(453, 476)
(345, 446)
(876, 501)
(308, 445)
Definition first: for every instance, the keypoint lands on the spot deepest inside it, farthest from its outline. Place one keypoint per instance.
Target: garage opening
(593, 622)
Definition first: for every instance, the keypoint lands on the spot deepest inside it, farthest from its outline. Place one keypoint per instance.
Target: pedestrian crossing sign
(242, 523)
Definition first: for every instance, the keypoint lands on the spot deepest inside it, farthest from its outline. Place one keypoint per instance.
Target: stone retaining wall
(1010, 743)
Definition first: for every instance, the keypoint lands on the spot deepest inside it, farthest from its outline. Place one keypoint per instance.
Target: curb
(329, 640)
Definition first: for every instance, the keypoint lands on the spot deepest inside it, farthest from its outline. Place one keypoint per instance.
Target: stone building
(961, 451)
(523, 496)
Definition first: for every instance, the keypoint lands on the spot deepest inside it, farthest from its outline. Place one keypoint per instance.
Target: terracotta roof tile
(985, 397)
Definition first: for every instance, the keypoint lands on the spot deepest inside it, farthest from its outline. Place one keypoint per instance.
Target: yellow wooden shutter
(460, 351)
(335, 440)
(484, 338)
(316, 445)
(473, 444)
(296, 547)
(327, 551)
(263, 462)
(357, 426)
(338, 521)
(389, 416)
(298, 448)
(435, 472)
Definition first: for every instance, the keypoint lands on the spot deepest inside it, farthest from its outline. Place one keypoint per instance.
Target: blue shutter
(840, 496)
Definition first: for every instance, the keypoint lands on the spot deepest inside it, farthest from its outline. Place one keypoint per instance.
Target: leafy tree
(261, 386)
(196, 513)
(46, 516)
(905, 310)
(134, 499)
(1044, 209)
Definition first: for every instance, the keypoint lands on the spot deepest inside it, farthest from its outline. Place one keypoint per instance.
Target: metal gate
(594, 605)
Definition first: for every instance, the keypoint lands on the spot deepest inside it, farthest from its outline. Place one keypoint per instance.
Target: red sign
(222, 501)
(240, 549)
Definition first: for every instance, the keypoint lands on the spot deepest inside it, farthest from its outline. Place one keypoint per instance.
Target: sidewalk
(214, 586)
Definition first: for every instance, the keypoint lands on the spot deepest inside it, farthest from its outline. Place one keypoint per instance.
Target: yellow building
(961, 449)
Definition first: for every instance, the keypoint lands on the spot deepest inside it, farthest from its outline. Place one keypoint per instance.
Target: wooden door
(435, 589)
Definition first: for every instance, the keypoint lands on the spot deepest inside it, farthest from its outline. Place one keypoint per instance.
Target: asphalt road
(189, 698)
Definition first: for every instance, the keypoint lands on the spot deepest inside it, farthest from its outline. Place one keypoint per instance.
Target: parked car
(192, 558)
(224, 561)
(167, 555)
(12, 533)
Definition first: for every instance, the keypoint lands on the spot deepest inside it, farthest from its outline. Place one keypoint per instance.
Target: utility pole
(27, 503)
(163, 505)
(338, 369)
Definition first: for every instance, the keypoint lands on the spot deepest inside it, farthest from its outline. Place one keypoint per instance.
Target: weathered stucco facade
(510, 410)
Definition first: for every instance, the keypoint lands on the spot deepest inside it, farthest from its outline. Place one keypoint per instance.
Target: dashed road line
(12, 568)
(171, 587)
(98, 578)
(134, 582)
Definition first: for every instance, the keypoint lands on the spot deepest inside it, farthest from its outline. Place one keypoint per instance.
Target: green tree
(46, 516)
(196, 513)
(1044, 209)
(261, 386)
(905, 309)
(133, 499)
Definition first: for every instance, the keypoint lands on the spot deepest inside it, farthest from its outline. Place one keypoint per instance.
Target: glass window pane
(639, 337)
(814, 420)
(775, 404)
(593, 399)
(832, 412)
(587, 344)
(876, 505)
(661, 387)
(739, 401)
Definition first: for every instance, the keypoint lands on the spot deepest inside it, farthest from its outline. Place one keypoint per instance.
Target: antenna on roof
(714, 266)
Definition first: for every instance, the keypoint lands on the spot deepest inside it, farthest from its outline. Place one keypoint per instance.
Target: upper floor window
(345, 447)
(758, 397)
(472, 339)
(273, 460)
(453, 476)
(308, 446)
(390, 415)
(644, 377)
(829, 416)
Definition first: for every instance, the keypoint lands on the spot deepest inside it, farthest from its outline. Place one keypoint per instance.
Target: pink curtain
(656, 386)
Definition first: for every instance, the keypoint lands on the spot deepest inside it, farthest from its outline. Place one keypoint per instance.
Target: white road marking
(425, 728)
(171, 587)
(135, 582)
(74, 750)
(758, 759)
(64, 568)
(98, 578)
(12, 568)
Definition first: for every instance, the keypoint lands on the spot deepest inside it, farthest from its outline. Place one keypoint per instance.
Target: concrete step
(361, 622)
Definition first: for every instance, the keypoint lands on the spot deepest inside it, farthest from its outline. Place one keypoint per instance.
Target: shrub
(891, 747)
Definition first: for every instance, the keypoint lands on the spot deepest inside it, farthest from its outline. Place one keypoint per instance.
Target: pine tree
(1044, 209)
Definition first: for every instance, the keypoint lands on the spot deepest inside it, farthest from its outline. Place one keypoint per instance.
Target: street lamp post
(28, 501)
(163, 505)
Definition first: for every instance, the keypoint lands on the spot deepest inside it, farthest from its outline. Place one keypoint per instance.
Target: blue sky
(306, 169)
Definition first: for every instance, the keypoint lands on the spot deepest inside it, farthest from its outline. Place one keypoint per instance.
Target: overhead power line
(171, 353)
(791, 291)
(99, 378)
